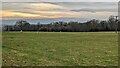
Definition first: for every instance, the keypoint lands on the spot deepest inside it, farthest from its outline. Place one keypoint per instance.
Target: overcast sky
(99, 10)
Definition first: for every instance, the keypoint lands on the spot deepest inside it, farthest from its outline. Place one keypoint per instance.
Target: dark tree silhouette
(90, 26)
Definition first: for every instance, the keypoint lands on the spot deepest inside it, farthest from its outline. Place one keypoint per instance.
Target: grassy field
(60, 49)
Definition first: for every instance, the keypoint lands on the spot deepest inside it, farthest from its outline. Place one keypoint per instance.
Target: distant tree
(113, 21)
(23, 25)
(38, 26)
(92, 25)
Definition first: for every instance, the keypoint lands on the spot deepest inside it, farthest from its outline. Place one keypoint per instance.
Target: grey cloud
(89, 6)
(82, 10)
(94, 10)
(86, 3)
(68, 5)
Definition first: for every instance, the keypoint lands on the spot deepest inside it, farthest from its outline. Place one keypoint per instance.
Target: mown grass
(60, 49)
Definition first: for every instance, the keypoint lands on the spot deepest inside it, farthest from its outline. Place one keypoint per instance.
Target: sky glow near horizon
(97, 10)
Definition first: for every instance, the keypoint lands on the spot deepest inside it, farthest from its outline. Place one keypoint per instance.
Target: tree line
(90, 26)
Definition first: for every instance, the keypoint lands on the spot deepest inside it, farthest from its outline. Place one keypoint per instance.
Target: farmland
(60, 49)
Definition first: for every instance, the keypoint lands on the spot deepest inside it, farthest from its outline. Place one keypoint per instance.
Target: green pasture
(60, 49)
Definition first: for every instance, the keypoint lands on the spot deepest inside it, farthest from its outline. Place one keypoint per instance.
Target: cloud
(30, 10)
(59, 9)
(83, 10)
(59, 0)
(90, 5)
(94, 10)
(31, 6)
